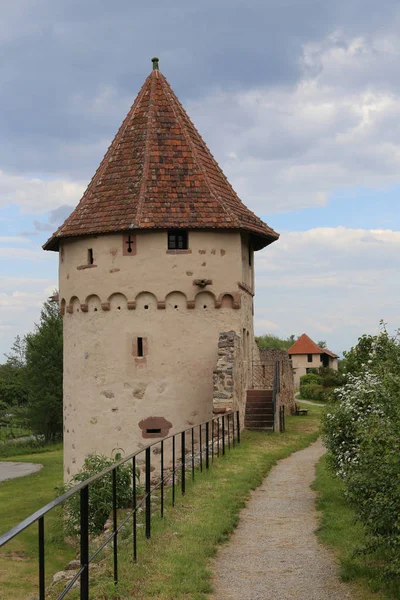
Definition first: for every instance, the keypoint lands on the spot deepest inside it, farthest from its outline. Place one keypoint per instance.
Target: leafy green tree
(322, 344)
(12, 376)
(269, 340)
(44, 370)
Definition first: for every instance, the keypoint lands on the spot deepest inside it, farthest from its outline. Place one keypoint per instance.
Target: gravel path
(274, 553)
(309, 402)
(11, 470)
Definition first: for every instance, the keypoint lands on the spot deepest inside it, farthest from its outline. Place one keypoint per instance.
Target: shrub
(100, 494)
(361, 432)
(310, 378)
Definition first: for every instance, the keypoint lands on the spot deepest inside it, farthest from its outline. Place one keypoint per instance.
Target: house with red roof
(306, 355)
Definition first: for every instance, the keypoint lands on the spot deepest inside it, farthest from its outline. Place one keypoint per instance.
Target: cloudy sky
(299, 100)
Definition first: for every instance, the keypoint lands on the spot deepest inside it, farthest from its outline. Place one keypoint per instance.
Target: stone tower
(155, 262)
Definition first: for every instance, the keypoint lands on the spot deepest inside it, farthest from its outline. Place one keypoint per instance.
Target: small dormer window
(309, 357)
(178, 240)
(90, 259)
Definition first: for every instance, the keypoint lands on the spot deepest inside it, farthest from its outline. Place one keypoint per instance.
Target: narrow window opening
(146, 306)
(90, 256)
(178, 240)
(176, 306)
(250, 255)
(95, 310)
(309, 357)
(153, 431)
(205, 306)
(119, 308)
(140, 346)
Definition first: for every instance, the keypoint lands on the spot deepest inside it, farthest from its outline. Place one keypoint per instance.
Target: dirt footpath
(274, 553)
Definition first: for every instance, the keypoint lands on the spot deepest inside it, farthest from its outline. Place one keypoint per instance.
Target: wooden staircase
(259, 413)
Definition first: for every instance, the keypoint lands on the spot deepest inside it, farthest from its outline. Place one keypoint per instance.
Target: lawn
(18, 499)
(339, 530)
(175, 563)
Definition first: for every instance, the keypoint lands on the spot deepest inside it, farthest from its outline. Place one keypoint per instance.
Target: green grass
(339, 530)
(175, 563)
(18, 499)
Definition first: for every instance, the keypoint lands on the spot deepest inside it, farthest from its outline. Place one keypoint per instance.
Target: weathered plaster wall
(301, 364)
(108, 388)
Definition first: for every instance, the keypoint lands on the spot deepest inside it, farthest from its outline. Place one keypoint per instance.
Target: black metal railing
(219, 433)
(282, 419)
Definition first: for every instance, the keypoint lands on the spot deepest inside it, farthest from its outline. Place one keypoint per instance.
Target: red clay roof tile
(159, 174)
(305, 345)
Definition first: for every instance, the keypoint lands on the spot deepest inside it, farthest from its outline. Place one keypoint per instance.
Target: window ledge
(81, 267)
(178, 252)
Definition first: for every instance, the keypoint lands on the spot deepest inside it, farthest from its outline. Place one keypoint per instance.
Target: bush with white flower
(361, 430)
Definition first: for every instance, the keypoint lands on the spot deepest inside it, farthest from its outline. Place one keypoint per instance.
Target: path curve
(12, 470)
(274, 553)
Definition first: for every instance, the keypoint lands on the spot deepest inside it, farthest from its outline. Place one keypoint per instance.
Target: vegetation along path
(274, 552)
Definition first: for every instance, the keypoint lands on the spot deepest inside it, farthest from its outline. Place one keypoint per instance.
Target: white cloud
(331, 282)
(289, 147)
(35, 195)
(21, 300)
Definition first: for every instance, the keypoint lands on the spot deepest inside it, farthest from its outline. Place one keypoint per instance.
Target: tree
(44, 369)
(322, 344)
(12, 376)
(269, 340)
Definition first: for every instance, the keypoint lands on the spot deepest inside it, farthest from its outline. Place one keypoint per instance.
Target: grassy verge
(18, 499)
(339, 530)
(10, 448)
(175, 563)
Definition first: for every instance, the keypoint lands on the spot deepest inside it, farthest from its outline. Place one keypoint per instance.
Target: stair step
(250, 428)
(257, 393)
(259, 404)
(259, 424)
(266, 410)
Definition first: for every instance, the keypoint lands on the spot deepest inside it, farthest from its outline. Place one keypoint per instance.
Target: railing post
(218, 437)
(223, 435)
(283, 418)
(192, 436)
(84, 509)
(183, 456)
(148, 499)
(238, 426)
(233, 429)
(207, 445)
(162, 480)
(212, 441)
(173, 470)
(201, 448)
(229, 430)
(134, 523)
(42, 585)
(115, 524)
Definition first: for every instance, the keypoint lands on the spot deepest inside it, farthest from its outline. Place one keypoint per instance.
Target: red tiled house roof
(159, 174)
(305, 345)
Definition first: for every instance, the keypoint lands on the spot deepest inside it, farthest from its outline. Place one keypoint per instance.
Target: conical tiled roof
(159, 174)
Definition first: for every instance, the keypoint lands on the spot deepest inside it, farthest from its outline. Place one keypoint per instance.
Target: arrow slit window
(129, 245)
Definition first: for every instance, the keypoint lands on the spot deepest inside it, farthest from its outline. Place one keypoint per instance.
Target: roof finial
(155, 63)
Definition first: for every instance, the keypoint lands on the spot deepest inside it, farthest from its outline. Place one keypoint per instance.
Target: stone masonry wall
(263, 375)
(228, 375)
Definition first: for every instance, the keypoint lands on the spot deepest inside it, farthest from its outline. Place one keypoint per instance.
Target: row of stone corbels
(161, 304)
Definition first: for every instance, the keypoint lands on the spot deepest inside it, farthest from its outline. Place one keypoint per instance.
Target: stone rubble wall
(229, 393)
(263, 375)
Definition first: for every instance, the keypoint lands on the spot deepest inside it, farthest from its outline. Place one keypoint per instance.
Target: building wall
(301, 364)
(109, 390)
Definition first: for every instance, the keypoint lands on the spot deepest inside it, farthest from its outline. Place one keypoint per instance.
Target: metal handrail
(83, 488)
